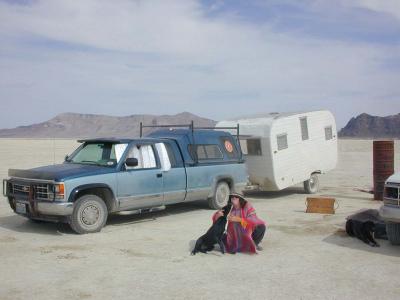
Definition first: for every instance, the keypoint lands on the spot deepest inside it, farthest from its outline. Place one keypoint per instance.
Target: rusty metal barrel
(383, 165)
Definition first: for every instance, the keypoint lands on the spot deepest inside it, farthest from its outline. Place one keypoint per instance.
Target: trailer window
(328, 133)
(282, 141)
(254, 147)
(304, 128)
(206, 152)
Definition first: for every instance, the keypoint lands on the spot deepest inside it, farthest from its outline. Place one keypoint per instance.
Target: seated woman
(245, 230)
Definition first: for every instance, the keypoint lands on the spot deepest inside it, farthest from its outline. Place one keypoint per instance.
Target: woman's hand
(234, 218)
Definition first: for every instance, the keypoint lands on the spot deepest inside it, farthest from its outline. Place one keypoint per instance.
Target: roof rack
(192, 129)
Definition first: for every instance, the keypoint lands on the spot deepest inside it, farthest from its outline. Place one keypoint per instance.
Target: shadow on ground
(276, 194)
(340, 238)
(20, 224)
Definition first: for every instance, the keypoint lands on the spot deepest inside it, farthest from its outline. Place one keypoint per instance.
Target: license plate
(20, 208)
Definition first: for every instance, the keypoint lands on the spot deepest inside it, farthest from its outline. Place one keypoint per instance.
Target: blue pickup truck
(104, 176)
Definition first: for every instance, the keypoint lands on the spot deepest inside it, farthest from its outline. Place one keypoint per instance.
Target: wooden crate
(320, 205)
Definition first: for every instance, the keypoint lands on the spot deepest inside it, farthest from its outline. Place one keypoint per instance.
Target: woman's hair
(242, 201)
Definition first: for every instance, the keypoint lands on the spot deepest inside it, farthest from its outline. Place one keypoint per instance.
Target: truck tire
(220, 197)
(311, 186)
(89, 215)
(393, 233)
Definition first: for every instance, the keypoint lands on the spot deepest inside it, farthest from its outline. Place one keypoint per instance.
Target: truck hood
(60, 172)
(394, 178)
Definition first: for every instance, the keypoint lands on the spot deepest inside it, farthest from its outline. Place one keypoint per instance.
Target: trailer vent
(328, 133)
(304, 128)
(282, 141)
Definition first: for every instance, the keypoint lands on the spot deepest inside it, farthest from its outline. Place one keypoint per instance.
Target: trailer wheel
(89, 215)
(311, 186)
(393, 233)
(220, 197)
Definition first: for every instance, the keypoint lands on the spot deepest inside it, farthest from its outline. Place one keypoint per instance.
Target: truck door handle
(159, 175)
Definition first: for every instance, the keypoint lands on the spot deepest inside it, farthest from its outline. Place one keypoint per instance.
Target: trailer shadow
(18, 223)
(275, 194)
(341, 239)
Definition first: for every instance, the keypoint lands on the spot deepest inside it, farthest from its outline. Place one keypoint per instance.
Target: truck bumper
(55, 209)
(42, 210)
(390, 213)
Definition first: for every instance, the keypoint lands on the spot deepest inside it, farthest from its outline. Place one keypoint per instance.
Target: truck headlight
(59, 191)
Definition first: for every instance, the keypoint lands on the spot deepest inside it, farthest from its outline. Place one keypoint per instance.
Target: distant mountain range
(367, 126)
(73, 125)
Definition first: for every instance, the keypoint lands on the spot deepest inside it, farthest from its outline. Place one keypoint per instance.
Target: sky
(218, 59)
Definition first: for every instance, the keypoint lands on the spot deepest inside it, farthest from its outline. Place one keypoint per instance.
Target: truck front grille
(391, 195)
(40, 191)
(391, 201)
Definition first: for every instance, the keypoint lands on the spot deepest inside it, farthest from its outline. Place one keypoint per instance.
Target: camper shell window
(328, 133)
(304, 128)
(206, 152)
(282, 141)
(230, 147)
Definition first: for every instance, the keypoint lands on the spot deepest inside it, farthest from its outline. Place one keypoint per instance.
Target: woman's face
(235, 202)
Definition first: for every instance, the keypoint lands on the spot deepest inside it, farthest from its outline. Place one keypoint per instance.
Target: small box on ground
(321, 205)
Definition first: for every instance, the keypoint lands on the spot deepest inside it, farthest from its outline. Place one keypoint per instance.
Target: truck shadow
(127, 218)
(341, 239)
(20, 224)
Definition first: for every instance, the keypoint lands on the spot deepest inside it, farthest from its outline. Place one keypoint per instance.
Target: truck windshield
(102, 154)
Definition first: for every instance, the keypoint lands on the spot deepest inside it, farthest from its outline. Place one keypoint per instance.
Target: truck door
(141, 186)
(174, 174)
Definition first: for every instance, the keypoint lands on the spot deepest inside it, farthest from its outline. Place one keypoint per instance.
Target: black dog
(365, 225)
(214, 235)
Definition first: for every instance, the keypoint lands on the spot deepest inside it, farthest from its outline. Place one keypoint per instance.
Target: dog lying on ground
(214, 235)
(366, 225)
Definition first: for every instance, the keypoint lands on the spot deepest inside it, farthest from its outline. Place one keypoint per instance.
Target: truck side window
(206, 152)
(282, 141)
(145, 156)
(171, 155)
(230, 148)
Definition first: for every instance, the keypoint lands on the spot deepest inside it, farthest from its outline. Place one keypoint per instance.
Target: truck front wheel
(220, 197)
(393, 233)
(311, 186)
(89, 215)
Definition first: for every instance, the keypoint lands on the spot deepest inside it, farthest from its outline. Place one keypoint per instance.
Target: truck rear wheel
(311, 186)
(393, 233)
(220, 197)
(89, 215)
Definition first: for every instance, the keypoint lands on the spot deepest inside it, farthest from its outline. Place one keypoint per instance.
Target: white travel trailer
(282, 150)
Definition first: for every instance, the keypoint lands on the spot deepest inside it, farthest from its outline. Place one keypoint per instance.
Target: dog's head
(226, 209)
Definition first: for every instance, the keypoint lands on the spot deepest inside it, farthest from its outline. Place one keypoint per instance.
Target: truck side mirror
(66, 158)
(131, 162)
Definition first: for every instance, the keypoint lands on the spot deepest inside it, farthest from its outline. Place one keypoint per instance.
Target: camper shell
(282, 150)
